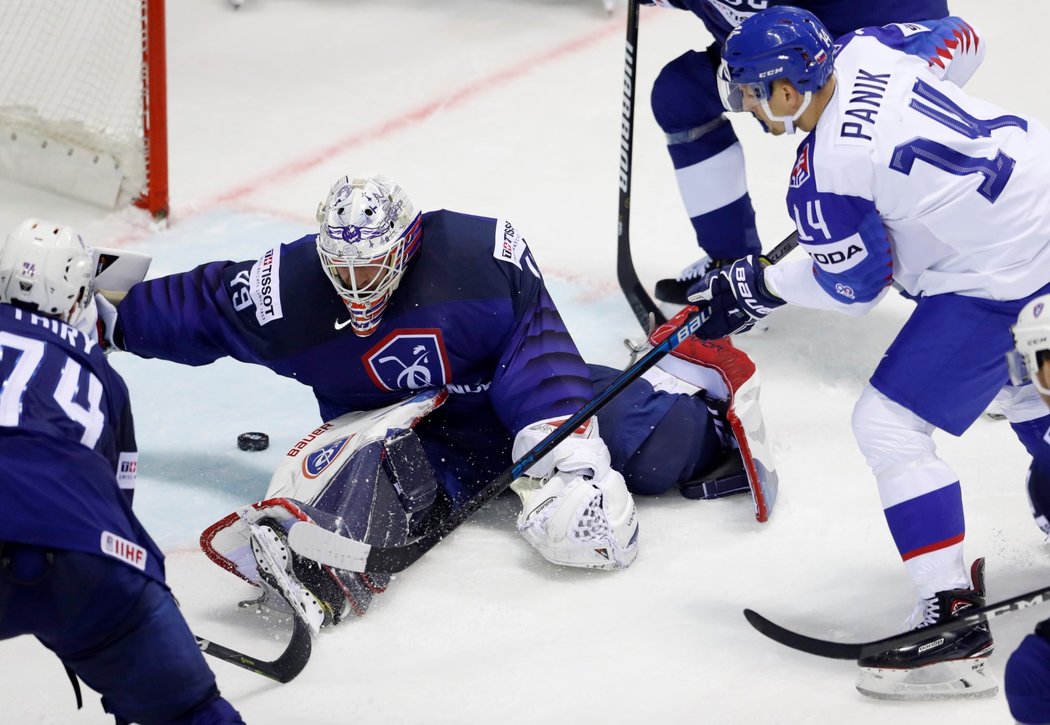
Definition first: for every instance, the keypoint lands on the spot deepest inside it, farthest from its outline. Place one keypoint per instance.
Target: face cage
(366, 301)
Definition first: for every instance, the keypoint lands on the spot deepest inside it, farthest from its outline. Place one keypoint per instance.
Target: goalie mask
(1032, 339)
(369, 232)
(46, 268)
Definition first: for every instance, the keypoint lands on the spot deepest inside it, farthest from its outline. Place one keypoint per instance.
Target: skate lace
(697, 269)
(927, 611)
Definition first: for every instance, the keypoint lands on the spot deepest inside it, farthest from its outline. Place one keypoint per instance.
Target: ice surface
(511, 108)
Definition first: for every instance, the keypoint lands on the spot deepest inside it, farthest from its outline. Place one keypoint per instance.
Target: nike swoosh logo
(340, 325)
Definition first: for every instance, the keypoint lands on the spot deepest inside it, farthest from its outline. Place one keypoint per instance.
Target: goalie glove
(576, 510)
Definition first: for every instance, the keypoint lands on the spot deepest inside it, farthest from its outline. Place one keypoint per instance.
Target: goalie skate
(274, 561)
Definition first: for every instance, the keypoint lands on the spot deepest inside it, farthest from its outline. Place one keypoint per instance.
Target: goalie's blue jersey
(839, 16)
(67, 445)
(471, 314)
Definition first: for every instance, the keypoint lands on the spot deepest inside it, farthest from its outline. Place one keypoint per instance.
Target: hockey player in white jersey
(903, 178)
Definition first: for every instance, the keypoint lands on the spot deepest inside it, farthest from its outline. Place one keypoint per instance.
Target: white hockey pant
(899, 448)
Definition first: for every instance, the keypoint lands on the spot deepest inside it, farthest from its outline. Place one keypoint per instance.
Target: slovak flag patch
(801, 172)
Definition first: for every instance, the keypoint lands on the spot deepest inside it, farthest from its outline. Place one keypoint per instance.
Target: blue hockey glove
(736, 299)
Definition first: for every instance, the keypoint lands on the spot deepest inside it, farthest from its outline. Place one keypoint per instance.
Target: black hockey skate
(694, 278)
(945, 666)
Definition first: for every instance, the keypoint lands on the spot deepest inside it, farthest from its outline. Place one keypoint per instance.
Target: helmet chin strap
(788, 121)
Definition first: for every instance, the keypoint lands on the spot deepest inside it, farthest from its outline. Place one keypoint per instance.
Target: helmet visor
(740, 97)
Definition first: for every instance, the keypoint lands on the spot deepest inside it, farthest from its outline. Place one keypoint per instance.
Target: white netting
(71, 96)
(591, 524)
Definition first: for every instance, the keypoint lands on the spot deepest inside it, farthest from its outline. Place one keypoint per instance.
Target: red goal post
(83, 108)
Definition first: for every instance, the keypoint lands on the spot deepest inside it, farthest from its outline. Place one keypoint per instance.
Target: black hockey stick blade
(857, 650)
(283, 669)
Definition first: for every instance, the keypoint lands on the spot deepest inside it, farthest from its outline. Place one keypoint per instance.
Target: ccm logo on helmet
(773, 72)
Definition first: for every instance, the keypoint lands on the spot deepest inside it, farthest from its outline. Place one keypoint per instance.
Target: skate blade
(954, 680)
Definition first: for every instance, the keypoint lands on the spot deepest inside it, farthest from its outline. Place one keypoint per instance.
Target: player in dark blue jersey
(1027, 678)
(386, 304)
(707, 156)
(77, 570)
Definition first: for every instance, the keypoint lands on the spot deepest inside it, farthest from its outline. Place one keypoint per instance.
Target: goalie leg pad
(718, 371)
(381, 495)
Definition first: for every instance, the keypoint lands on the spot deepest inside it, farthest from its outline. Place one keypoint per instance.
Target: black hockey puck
(253, 441)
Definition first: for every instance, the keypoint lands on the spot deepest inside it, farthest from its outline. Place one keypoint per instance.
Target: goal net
(82, 99)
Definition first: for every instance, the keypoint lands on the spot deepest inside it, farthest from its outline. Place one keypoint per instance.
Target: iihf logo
(800, 173)
(409, 360)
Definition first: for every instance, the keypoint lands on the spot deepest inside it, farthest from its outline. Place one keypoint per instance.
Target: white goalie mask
(369, 232)
(46, 267)
(1032, 339)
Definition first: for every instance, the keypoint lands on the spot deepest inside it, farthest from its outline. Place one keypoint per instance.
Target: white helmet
(369, 232)
(46, 267)
(1032, 337)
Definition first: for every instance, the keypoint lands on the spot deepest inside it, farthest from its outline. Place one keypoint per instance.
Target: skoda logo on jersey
(316, 463)
(409, 360)
(800, 173)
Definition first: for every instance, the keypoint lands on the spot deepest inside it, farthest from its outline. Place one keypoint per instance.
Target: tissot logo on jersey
(127, 469)
(510, 245)
(260, 286)
(409, 360)
(265, 287)
(801, 172)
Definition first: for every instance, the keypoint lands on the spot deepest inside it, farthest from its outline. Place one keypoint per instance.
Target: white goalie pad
(307, 468)
(315, 458)
(727, 373)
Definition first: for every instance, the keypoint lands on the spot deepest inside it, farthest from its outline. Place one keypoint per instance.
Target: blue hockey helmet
(781, 42)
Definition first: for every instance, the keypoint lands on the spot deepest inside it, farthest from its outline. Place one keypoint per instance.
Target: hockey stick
(641, 304)
(283, 669)
(331, 549)
(857, 650)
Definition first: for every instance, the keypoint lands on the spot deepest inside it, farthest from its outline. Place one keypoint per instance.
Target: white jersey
(907, 178)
